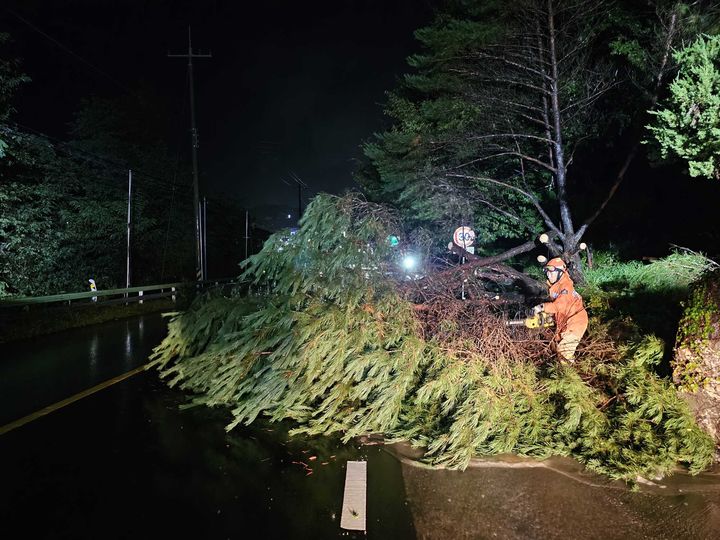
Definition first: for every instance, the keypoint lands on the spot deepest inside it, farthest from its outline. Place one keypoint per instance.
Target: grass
(640, 299)
(673, 273)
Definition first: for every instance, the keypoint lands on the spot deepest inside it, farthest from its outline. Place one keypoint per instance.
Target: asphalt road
(128, 462)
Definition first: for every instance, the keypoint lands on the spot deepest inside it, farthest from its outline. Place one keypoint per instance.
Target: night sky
(293, 87)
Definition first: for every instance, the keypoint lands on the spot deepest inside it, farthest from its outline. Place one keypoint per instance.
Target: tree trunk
(532, 286)
(559, 150)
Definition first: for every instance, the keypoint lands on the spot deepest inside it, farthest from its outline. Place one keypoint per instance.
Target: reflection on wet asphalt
(128, 462)
(38, 372)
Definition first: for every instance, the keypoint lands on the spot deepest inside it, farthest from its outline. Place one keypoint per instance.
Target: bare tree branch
(512, 136)
(501, 154)
(507, 61)
(548, 221)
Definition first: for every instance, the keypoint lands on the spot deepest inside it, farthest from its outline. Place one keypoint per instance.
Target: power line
(172, 197)
(300, 185)
(71, 52)
(92, 157)
(121, 168)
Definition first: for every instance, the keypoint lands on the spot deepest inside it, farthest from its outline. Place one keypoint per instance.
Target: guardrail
(132, 294)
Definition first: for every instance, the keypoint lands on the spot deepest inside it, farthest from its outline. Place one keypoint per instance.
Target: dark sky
(292, 86)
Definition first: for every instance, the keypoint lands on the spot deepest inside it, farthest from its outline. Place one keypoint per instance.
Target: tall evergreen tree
(503, 100)
(687, 125)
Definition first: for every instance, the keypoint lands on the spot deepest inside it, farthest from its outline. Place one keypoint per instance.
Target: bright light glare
(409, 262)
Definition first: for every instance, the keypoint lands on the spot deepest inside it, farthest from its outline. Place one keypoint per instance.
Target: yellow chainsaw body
(540, 320)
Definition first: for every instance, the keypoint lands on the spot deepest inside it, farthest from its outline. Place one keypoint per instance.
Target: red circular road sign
(464, 237)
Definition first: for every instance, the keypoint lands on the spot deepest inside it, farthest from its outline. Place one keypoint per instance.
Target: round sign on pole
(464, 237)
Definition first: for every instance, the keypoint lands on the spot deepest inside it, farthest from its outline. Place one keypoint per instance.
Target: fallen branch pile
(334, 344)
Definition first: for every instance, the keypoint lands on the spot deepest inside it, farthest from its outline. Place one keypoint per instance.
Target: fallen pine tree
(330, 337)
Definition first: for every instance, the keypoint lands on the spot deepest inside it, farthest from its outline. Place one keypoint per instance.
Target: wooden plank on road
(355, 496)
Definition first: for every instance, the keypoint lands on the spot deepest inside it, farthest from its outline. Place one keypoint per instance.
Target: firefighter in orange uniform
(571, 319)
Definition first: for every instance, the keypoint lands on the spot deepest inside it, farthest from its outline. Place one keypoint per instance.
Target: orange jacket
(567, 306)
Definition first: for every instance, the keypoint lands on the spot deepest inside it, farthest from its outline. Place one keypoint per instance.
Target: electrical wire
(80, 153)
(177, 162)
(120, 85)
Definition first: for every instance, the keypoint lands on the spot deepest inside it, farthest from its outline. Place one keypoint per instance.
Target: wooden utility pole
(199, 255)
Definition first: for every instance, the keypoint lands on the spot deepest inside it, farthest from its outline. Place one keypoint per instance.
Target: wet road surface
(37, 372)
(128, 462)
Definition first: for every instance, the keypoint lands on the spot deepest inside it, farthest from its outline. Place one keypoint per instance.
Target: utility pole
(129, 226)
(300, 186)
(204, 238)
(199, 262)
(246, 233)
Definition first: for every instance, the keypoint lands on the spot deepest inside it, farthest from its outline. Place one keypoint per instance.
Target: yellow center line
(72, 399)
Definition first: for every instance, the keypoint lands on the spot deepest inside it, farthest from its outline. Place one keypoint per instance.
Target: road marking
(72, 399)
(354, 497)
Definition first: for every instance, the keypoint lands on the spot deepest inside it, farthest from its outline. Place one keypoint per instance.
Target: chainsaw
(539, 320)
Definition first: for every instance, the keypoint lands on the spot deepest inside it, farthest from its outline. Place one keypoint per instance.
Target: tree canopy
(11, 78)
(63, 204)
(687, 124)
(497, 124)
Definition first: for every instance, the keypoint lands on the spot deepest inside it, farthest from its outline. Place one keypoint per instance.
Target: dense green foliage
(699, 325)
(636, 299)
(63, 205)
(63, 219)
(36, 212)
(10, 79)
(499, 122)
(610, 278)
(327, 340)
(688, 123)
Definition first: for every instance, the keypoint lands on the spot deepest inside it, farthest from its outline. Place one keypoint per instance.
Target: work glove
(538, 309)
